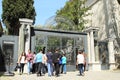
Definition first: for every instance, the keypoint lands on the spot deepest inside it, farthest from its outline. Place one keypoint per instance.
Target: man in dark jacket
(49, 56)
(56, 58)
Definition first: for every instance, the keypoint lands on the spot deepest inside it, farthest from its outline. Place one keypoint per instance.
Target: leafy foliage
(75, 11)
(1, 29)
(70, 17)
(15, 9)
(38, 48)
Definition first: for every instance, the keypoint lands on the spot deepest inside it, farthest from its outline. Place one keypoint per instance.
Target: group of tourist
(41, 62)
(53, 63)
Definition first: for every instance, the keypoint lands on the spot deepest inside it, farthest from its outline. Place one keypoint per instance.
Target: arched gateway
(67, 42)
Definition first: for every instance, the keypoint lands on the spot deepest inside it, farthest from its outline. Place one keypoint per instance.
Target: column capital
(26, 21)
(89, 29)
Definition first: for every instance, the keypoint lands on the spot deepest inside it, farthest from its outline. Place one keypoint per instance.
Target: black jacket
(56, 57)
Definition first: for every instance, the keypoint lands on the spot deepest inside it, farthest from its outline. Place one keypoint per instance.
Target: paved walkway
(89, 75)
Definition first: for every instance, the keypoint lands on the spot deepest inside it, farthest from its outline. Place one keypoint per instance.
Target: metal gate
(67, 42)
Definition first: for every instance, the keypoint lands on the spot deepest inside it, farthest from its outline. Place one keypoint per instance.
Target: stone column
(111, 54)
(88, 39)
(94, 65)
(25, 31)
(28, 39)
(25, 36)
(87, 50)
(92, 51)
(96, 54)
(21, 40)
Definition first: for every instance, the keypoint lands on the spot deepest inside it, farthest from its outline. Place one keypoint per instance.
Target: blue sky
(44, 9)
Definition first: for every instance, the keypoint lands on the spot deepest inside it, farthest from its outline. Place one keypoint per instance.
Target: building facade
(103, 31)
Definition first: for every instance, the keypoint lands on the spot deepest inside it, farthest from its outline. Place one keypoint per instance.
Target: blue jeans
(29, 66)
(64, 69)
(50, 69)
(80, 67)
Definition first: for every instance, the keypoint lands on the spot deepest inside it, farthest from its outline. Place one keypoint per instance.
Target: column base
(95, 66)
(9, 74)
(112, 66)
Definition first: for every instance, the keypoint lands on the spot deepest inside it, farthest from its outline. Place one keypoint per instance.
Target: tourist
(80, 62)
(60, 63)
(39, 60)
(64, 61)
(56, 58)
(34, 69)
(44, 62)
(49, 56)
(85, 58)
(21, 62)
(29, 58)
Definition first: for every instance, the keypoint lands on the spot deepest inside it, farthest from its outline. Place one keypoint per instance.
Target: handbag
(17, 67)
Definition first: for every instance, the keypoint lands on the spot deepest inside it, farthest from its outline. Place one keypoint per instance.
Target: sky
(44, 9)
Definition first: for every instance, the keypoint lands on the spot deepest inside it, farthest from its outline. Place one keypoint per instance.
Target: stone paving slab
(89, 75)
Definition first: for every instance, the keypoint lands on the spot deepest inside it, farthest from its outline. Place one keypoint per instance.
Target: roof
(59, 31)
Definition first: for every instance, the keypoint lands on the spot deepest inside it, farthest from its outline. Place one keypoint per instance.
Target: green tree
(1, 29)
(15, 9)
(75, 11)
(70, 17)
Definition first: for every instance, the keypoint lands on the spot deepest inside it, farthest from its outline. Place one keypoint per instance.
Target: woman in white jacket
(80, 62)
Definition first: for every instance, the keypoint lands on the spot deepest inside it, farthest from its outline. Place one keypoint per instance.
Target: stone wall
(6, 52)
(105, 14)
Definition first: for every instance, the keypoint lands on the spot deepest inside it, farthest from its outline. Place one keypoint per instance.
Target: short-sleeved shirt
(49, 57)
(39, 57)
(29, 57)
(64, 60)
(22, 59)
(80, 58)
